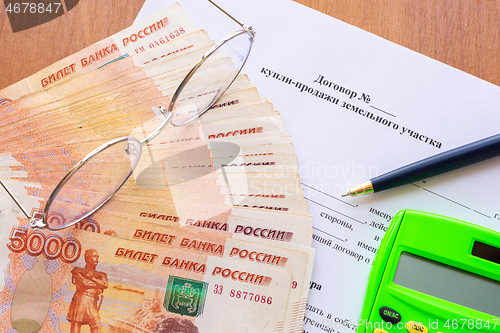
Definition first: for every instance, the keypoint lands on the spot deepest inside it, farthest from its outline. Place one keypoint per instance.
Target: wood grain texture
(462, 33)
(26, 52)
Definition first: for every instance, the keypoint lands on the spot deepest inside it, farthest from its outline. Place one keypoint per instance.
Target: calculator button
(378, 330)
(414, 327)
(389, 315)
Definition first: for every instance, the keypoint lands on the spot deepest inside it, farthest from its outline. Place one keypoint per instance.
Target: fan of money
(202, 87)
(147, 187)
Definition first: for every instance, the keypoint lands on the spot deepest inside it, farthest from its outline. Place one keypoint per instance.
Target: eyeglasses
(200, 89)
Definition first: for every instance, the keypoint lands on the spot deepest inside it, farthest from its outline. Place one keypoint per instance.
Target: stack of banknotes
(211, 232)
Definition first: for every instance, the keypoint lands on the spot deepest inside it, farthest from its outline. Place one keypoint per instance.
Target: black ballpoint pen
(449, 160)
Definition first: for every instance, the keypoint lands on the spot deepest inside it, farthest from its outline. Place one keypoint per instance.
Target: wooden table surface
(460, 33)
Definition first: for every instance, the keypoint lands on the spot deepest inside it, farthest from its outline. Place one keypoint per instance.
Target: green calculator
(433, 274)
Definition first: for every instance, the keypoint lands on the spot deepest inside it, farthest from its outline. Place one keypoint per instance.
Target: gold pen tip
(361, 189)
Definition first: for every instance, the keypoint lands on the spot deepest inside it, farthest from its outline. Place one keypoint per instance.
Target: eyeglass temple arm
(222, 10)
(15, 199)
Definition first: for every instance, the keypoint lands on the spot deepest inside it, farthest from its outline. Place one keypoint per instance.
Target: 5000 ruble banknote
(107, 283)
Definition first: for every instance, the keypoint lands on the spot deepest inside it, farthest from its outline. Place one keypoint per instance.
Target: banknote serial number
(219, 290)
(33, 8)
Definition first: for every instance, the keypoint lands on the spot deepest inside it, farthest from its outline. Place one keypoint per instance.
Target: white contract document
(358, 106)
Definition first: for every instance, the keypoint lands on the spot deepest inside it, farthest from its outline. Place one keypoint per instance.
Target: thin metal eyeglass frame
(42, 223)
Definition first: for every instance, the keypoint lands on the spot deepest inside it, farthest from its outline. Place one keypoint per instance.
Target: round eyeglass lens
(91, 182)
(203, 86)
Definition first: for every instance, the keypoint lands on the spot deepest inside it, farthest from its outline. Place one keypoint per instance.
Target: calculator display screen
(485, 251)
(448, 283)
